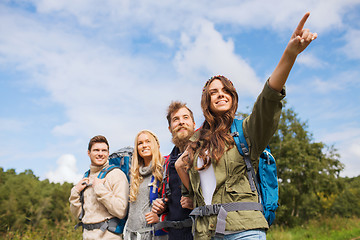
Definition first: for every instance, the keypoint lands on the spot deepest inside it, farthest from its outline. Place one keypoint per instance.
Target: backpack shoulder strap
(101, 175)
(82, 213)
(165, 182)
(106, 170)
(238, 135)
(86, 174)
(242, 146)
(166, 164)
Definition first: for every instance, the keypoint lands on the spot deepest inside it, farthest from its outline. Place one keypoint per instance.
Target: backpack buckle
(216, 208)
(208, 210)
(234, 134)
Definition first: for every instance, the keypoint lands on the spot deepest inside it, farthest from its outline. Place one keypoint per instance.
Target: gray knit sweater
(137, 210)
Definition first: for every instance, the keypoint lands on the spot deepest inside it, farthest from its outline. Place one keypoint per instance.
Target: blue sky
(70, 70)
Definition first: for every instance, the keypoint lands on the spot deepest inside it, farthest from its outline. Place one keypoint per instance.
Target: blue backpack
(265, 182)
(120, 159)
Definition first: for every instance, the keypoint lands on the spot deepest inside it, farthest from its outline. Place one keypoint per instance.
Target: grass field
(324, 229)
(64, 231)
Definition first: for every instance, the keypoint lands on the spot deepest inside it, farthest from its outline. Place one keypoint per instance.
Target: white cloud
(107, 84)
(346, 139)
(352, 47)
(350, 155)
(340, 83)
(322, 86)
(326, 15)
(310, 60)
(170, 15)
(204, 50)
(66, 170)
(11, 125)
(346, 134)
(96, 85)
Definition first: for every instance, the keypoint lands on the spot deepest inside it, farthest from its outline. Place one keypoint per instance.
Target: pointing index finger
(302, 22)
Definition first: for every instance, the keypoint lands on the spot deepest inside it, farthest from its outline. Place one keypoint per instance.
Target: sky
(73, 69)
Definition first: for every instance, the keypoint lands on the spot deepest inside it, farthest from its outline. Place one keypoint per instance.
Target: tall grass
(63, 231)
(323, 229)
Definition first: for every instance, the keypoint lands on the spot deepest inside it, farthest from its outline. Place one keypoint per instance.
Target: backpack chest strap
(110, 224)
(221, 210)
(174, 224)
(139, 232)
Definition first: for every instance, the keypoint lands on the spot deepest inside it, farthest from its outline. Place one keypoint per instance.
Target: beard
(181, 139)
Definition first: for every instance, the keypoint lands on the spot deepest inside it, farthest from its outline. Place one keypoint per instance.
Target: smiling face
(144, 148)
(182, 126)
(220, 98)
(99, 153)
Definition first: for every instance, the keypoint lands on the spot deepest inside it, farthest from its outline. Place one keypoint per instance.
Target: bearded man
(178, 207)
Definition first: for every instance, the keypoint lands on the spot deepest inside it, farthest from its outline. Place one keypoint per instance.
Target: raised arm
(300, 39)
(181, 168)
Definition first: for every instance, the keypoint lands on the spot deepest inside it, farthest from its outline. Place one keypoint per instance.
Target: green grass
(63, 231)
(323, 229)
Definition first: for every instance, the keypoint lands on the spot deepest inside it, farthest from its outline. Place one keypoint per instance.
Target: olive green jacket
(232, 184)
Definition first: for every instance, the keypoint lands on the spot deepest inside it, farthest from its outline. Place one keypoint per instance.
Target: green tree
(28, 203)
(346, 203)
(308, 171)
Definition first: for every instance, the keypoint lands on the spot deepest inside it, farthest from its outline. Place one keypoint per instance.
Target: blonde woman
(146, 176)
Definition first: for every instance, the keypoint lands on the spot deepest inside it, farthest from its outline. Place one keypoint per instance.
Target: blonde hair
(137, 161)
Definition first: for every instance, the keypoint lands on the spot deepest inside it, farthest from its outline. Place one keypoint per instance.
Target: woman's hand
(159, 206)
(301, 38)
(151, 218)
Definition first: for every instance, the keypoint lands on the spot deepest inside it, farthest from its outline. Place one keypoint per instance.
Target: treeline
(308, 172)
(310, 185)
(26, 202)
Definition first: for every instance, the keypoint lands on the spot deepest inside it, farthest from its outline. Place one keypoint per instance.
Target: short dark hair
(176, 106)
(97, 139)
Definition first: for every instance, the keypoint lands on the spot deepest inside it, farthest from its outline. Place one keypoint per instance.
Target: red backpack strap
(165, 183)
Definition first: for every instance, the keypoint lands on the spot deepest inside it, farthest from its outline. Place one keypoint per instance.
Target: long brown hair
(137, 161)
(214, 133)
